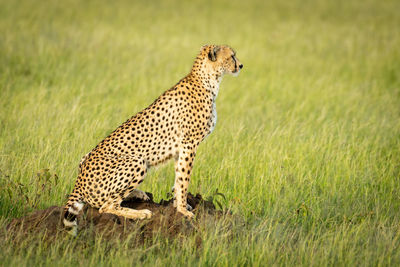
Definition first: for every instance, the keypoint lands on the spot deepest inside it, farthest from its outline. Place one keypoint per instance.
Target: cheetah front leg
(183, 170)
(188, 207)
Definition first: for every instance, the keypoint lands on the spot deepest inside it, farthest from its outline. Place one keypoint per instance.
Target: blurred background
(320, 79)
(315, 73)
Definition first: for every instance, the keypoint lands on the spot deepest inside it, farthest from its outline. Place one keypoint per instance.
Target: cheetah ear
(212, 54)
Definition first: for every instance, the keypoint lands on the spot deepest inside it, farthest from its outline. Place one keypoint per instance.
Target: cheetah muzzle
(172, 127)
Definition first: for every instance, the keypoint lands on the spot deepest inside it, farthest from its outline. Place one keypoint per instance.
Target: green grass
(307, 144)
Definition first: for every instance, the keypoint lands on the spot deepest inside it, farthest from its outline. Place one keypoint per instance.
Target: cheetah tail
(71, 211)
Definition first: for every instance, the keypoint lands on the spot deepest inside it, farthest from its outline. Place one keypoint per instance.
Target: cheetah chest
(213, 117)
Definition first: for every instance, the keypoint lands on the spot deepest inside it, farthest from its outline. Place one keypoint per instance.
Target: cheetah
(172, 127)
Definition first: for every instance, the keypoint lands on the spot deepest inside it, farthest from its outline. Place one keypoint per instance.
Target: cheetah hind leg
(114, 207)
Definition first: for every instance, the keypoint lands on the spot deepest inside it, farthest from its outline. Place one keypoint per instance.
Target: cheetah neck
(213, 85)
(208, 78)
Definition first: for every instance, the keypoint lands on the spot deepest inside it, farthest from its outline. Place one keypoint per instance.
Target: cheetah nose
(240, 66)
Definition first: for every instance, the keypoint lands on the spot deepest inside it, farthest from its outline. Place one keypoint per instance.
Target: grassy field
(306, 148)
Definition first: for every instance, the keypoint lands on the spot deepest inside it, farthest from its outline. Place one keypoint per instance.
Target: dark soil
(166, 221)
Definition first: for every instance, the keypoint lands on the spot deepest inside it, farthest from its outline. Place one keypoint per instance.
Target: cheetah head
(222, 59)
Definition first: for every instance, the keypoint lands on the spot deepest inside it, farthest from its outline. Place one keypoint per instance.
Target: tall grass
(307, 144)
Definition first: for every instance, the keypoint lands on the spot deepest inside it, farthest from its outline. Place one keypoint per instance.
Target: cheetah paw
(145, 197)
(144, 214)
(186, 213)
(138, 194)
(188, 207)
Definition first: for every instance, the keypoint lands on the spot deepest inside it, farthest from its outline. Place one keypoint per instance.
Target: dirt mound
(165, 221)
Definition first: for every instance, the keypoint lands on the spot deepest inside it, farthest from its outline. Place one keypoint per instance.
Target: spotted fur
(170, 128)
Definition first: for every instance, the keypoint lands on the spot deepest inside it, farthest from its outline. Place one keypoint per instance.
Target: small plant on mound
(214, 198)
